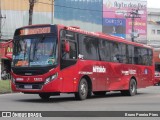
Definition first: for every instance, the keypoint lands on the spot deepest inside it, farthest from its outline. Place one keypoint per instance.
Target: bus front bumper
(53, 86)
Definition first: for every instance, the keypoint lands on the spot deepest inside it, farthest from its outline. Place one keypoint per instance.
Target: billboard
(117, 18)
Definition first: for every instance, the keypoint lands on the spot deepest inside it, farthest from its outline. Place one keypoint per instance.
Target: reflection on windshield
(35, 52)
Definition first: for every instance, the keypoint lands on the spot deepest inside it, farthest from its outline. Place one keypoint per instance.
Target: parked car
(157, 78)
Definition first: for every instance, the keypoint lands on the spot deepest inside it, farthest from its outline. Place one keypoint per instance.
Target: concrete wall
(17, 14)
(153, 28)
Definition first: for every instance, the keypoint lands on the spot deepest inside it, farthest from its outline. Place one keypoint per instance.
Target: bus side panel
(117, 80)
(69, 78)
(104, 76)
(148, 78)
(144, 76)
(86, 69)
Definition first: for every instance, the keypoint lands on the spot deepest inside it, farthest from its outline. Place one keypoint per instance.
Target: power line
(133, 14)
(75, 7)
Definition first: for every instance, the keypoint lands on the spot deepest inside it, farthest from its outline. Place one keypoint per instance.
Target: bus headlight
(49, 79)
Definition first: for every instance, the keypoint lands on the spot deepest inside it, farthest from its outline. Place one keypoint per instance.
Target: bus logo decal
(129, 72)
(85, 73)
(99, 69)
(132, 72)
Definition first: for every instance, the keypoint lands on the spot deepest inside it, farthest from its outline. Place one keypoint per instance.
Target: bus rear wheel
(132, 88)
(100, 93)
(44, 96)
(82, 90)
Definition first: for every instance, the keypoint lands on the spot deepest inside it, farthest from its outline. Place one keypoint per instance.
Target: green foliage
(5, 86)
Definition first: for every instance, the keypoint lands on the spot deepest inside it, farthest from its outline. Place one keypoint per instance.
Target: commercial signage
(115, 18)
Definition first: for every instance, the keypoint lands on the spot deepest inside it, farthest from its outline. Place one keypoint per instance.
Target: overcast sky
(153, 4)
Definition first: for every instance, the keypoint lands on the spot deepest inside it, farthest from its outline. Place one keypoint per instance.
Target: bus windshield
(35, 51)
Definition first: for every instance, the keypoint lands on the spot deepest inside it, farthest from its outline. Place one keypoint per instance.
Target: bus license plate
(28, 86)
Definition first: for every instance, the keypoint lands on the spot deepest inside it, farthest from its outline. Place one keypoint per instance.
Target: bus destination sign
(32, 31)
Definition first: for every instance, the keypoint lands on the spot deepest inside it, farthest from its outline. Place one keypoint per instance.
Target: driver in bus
(51, 59)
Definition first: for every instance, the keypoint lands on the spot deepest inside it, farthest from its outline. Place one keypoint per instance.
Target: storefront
(5, 63)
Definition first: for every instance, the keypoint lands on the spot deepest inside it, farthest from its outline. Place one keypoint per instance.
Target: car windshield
(35, 51)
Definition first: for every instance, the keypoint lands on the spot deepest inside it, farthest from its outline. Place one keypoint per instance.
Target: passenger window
(150, 57)
(72, 54)
(88, 47)
(70, 37)
(144, 56)
(104, 50)
(138, 56)
(115, 52)
(124, 55)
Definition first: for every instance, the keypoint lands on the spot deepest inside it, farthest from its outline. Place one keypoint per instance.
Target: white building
(153, 27)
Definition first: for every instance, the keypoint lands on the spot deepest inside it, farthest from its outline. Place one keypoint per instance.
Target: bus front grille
(29, 86)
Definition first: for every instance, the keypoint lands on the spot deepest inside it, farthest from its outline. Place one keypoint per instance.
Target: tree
(31, 7)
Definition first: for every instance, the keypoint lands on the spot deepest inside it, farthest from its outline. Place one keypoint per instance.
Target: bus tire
(44, 96)
(5, 74)
(100, 93)
(132, 88)
(89, 95)
(82, 90)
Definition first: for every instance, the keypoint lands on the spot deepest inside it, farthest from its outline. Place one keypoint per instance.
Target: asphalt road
(147, 99)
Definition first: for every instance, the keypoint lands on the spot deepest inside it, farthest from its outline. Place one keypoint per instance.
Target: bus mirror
(66, 46)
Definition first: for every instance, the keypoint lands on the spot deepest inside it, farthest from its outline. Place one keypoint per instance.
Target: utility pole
(31, 7)
(1, 17)
(133, 14)
(52, 11)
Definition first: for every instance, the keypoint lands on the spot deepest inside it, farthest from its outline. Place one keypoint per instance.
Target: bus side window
(124, 54)
(137, 56)
(150, 57)
(88, 47)
(72, 54)
(144, 56)
(116, 52)
(70, 37)
(130, 50)
(104, 50)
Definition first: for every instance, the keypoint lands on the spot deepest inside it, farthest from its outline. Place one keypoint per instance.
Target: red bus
(53, 59)
(5, 50)
(157, 66)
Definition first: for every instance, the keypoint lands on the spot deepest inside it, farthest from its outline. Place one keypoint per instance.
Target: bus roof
(95, 34)
(105, 36)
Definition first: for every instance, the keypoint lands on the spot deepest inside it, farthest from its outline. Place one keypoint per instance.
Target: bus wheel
(100, 93)
(82, 90)
(44, 96)
(132, 88)
(89, 95)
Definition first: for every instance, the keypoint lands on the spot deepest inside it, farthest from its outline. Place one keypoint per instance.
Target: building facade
(153, 28)
(15, 13)
(108, 16)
